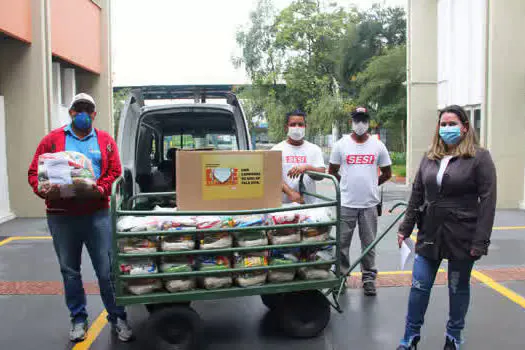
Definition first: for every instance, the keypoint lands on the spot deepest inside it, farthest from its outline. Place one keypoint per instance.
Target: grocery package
(174, 264)
(254, 278)
(137, 224)
(215, 263)
(315, 233)
(318, 271)
(178, 242)
(284, 235)
(214, 240)
(138, 245)
(249, 238)
(72, 171)
(279, 257)
(138, 267)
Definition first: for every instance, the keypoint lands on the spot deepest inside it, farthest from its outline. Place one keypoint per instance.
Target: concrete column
(25, 84)
(100, 86)
(57, 84)
(505, 117)
(421, 80)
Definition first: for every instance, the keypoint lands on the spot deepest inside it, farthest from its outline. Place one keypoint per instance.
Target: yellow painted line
(32, 238)
(93, 332)
(501, 289)
(507, 228)
(7, 240)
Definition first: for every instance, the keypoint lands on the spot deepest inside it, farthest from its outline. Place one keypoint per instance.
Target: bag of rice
(215, 263)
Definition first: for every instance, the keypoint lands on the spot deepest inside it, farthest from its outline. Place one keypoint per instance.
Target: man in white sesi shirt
(355, 160)
(298, 156)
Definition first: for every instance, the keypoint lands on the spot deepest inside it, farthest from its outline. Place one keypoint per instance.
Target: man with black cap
(83, 220)
(355, 160)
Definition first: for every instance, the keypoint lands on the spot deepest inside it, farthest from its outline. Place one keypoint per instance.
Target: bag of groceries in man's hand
(71, 171)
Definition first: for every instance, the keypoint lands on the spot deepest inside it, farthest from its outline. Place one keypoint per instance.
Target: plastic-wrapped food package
(137, 223)
(254, 278)
(315, 233)
(174, 264)
(214, 240)
(138, 245)
(72, 171)
(139, 267)
(319, 271)
(280, 257)
(178, 242)
(215, 263)
(283, 235)
(249, 238)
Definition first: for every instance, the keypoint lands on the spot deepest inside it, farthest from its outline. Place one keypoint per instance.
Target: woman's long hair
(466, 147)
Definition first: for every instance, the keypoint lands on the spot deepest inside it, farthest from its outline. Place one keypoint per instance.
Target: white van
(156, 121)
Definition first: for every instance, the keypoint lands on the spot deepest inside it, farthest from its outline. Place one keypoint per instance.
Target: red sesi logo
(296, 159)
(360, 159)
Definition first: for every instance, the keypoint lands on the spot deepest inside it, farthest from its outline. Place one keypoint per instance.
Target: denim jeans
(424, 274)
(70, 234)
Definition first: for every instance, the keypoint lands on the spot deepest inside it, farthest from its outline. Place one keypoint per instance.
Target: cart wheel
(174, 328)
(304, 314)
(156, 307)
(271, 301)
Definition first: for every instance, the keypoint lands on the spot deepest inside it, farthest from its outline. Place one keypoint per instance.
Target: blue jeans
(423, 276)
(69, 234)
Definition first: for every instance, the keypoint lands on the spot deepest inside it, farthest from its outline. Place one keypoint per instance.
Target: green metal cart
(303, 306)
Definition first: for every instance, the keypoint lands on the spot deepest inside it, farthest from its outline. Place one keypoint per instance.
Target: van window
(220, 142)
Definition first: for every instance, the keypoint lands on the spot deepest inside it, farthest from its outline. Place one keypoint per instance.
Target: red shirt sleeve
(32, 173)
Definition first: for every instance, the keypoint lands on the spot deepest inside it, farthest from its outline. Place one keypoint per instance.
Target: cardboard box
(228, 180)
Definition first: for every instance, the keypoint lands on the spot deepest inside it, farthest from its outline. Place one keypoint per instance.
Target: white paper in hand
(406, 251)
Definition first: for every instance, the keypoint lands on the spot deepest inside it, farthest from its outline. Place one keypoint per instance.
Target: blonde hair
(467, 146)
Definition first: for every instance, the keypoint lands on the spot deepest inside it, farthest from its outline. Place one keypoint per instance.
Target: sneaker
(450, 344)
(122, 329)
(369, 288)
(412, 346)
(78, 331)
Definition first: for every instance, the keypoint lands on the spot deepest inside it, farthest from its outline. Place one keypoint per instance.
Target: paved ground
(34, 315)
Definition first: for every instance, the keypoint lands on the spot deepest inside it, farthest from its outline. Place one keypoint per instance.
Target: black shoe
(413, 345)
(369, 287)
(450, 344)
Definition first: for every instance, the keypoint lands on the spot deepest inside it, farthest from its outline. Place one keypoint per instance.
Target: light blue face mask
(451, 135)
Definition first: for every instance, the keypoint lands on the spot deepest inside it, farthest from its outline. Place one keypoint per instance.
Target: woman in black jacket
(453, 203)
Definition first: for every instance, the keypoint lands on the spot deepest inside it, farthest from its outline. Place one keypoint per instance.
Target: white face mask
(360, 128)
(296, 133)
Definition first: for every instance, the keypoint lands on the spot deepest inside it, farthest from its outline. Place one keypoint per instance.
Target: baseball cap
(360, 113)
(82, 97)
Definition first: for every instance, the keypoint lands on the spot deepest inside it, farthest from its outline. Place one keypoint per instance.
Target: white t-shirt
(306, 154)
(359, 163)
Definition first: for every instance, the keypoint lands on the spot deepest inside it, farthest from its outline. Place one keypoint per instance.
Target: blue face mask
(82, 121)
(451, 135)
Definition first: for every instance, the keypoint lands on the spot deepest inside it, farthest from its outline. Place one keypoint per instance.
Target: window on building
(476, 121)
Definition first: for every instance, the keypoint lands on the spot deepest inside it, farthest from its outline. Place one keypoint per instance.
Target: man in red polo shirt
(74, 223)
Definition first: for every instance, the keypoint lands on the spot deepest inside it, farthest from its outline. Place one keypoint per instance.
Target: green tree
(382, 87)
(119, 98)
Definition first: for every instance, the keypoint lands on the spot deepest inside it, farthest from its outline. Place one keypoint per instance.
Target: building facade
(469, 53)
(49, 51)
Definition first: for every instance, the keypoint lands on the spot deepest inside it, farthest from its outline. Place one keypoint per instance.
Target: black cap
(361, 114)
